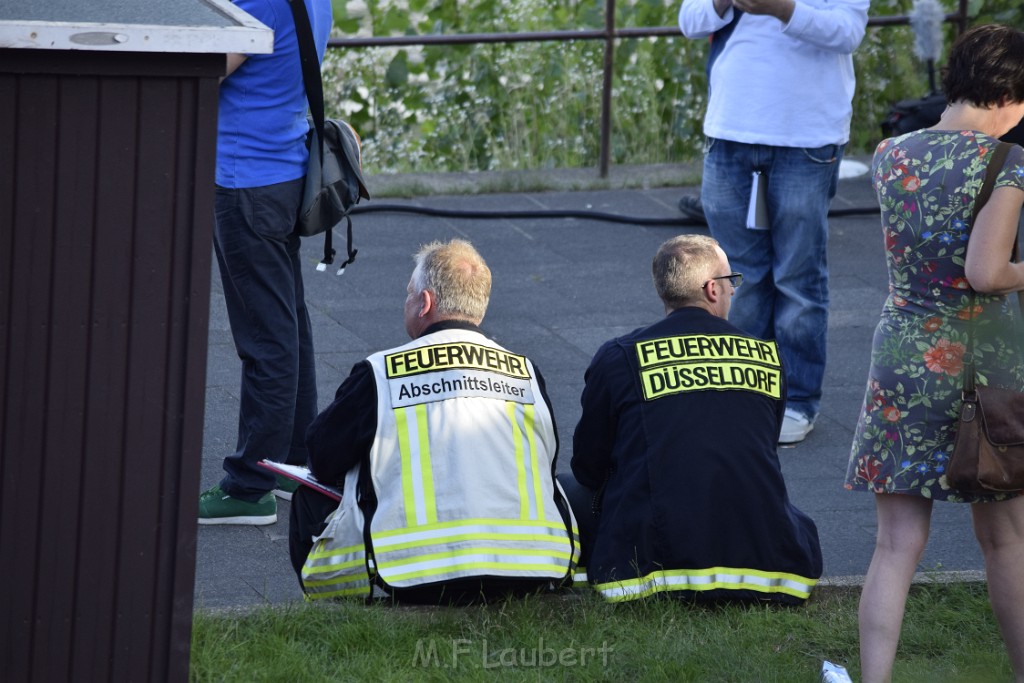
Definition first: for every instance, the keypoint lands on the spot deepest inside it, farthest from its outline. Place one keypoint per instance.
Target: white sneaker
(795, 427)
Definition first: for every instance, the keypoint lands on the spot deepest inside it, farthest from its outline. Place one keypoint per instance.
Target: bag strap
(311, 78)
(314, 86)
(995, 165)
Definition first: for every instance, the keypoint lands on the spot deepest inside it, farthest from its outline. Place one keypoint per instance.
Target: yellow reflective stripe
(448, 563)
(311, 568)
(531, 438)
(408, 494)
(470, 523)
(547, 570)
(383, 564)
(312, 582)
(381, 548)
(707, 579)
(335, 587)
(417, 473)
(517, 444)
(343, 578)
(318, 551)
(426, 471)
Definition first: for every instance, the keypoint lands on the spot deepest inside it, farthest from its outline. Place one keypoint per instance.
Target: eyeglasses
(735, 279)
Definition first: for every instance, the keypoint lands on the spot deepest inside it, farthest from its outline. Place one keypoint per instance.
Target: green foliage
(949, 634)
(538, 105)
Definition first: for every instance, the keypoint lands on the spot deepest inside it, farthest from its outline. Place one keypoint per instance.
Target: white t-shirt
(786, 85)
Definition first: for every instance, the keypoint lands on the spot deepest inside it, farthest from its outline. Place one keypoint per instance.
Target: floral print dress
(926, 182)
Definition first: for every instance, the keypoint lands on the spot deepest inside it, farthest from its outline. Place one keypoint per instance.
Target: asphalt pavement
(562, 286)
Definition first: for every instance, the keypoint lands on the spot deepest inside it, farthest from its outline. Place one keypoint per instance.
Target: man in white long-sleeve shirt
(780, 93)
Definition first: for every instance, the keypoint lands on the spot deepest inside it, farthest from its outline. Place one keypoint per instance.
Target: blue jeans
(258, 253)
(784, 295)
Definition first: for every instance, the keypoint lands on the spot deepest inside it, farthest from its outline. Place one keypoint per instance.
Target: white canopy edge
(247, 35)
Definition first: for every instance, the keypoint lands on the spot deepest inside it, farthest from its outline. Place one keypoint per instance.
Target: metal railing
(609, 34)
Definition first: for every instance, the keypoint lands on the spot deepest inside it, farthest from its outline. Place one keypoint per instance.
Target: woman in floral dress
(926, 183)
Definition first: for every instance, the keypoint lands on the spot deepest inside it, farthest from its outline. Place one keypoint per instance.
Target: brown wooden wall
(106, 211)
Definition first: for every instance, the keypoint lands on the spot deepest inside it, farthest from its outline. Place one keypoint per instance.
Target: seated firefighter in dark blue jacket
(678, 485)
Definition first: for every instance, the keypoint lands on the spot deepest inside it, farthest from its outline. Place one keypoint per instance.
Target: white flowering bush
(538, 105)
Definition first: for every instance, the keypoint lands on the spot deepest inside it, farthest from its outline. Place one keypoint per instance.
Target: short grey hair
(457, 276)
(682, 266)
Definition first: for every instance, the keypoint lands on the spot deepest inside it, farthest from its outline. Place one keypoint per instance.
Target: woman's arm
(987, 266)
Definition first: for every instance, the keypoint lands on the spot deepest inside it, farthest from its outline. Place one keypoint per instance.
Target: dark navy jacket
(678, 434)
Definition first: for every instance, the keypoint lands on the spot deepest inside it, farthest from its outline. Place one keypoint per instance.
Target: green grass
(949, 635)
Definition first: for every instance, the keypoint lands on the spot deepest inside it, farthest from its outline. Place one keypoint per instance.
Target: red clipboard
(301, 475)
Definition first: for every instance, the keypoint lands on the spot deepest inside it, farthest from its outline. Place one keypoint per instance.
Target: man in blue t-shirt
(261, 166)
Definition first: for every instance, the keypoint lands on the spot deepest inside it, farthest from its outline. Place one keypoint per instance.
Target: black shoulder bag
(334, 176)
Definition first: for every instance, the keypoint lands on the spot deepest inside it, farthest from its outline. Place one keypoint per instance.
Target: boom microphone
(926, 17)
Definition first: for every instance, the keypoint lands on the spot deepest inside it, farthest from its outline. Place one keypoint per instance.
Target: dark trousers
(582, 501)
(258, 253)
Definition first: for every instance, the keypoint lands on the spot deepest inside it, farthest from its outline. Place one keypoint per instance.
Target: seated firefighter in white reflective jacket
(446, 449)
(679, 485)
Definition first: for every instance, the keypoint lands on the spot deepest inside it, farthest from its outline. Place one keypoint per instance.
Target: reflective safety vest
(462, 472)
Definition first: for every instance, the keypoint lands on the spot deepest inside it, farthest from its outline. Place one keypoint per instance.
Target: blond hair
(681, 267)
(457, 276)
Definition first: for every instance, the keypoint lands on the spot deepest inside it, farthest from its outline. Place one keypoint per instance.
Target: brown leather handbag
(988, 451)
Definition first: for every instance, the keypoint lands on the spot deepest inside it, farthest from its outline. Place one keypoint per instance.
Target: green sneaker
(217, 507)
(285, 487)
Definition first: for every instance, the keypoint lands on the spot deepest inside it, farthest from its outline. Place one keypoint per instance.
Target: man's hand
(780, 9)
(721, 6)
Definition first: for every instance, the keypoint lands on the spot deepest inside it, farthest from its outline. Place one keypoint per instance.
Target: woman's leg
(903, 523)
(999, 528)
